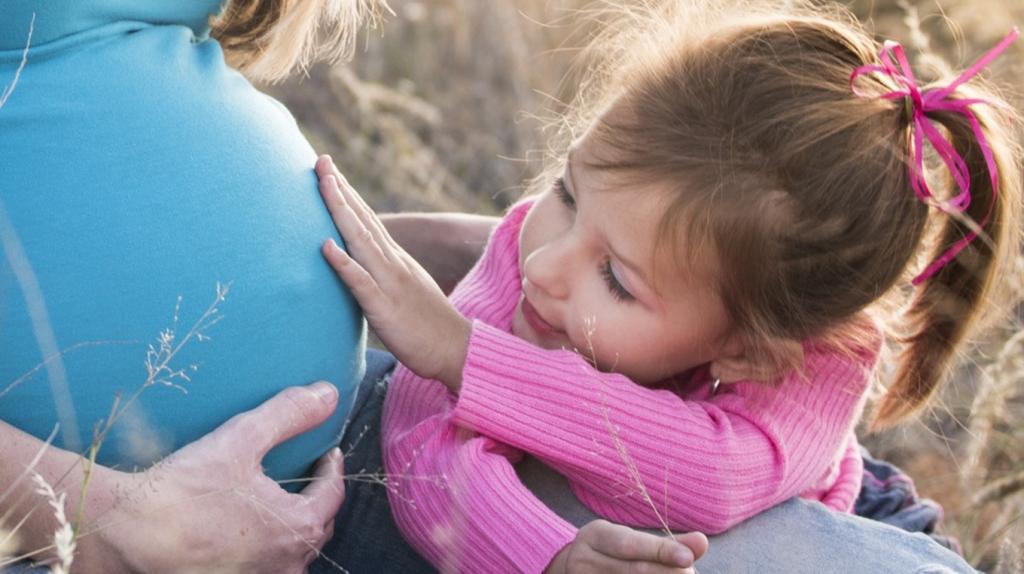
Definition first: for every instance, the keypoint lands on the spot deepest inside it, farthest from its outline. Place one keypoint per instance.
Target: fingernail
(325, 392)
(683, 557)
(339, 251)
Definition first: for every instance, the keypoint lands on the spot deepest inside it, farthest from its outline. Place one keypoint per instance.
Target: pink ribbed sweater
(706, 461)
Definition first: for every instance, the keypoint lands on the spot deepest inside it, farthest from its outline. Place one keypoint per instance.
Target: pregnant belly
(139, 172)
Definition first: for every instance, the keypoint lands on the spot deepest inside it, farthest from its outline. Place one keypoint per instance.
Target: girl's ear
(738, 363)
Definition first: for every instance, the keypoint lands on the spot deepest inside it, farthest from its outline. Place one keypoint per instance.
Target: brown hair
(799, 186)
(268, 39)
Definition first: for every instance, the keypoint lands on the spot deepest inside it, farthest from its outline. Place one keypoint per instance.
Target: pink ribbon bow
(938, 100)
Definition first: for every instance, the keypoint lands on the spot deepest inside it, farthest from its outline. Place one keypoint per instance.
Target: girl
(681, 322)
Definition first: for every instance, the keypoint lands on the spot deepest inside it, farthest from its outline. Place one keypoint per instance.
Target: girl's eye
(618, 291)
(563, 194)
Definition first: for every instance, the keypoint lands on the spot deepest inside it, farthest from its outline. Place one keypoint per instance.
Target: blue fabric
(24, 567)
(136, 167)
(60, 18)
(888, 495)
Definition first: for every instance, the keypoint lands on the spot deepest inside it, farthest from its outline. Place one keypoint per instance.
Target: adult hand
(210, 508)
(601, 546)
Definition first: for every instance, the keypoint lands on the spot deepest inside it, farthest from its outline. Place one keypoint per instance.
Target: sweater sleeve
(638, 455)
(455, 494)
(843, 494)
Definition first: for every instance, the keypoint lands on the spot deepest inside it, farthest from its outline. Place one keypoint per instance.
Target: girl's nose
(549, 268)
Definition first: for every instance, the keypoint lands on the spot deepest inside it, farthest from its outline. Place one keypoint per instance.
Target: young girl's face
(587, 260)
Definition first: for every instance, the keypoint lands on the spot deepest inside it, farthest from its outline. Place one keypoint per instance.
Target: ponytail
(950, 304)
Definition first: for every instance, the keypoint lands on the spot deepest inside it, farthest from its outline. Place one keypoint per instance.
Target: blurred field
(440, 111)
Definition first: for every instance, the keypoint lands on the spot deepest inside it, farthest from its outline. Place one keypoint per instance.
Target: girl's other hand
(402, 303)
(601, 546)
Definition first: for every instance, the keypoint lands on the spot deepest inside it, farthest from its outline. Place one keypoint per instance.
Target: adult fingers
(326, 492)
(323, 499)
(290, 412)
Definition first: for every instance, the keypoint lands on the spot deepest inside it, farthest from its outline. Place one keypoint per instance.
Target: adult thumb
(290, 412)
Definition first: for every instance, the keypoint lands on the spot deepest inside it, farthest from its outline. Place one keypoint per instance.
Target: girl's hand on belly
(402, 303)
(209, 507)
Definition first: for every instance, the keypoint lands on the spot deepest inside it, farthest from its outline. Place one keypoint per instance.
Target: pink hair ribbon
(938, 100)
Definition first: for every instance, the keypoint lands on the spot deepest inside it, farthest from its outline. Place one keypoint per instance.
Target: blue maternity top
(138, 171)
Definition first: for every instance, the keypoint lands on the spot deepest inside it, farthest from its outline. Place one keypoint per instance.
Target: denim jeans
(366, 538)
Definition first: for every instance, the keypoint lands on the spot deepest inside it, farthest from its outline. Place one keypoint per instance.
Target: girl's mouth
(536, 322)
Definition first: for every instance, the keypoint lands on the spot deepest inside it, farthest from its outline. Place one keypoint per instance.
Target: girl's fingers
(665, 551)
(627, 544)
(360, 238)
(326, 168)
(364, 287)
(697, 542)
(340, 210)
(610, 564)
(650, 568)
(333, 170)
(367, 214)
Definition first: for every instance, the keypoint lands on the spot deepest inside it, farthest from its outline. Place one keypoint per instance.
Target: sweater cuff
(493, 381)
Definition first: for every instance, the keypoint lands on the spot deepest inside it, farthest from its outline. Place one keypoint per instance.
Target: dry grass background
(439, 111)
